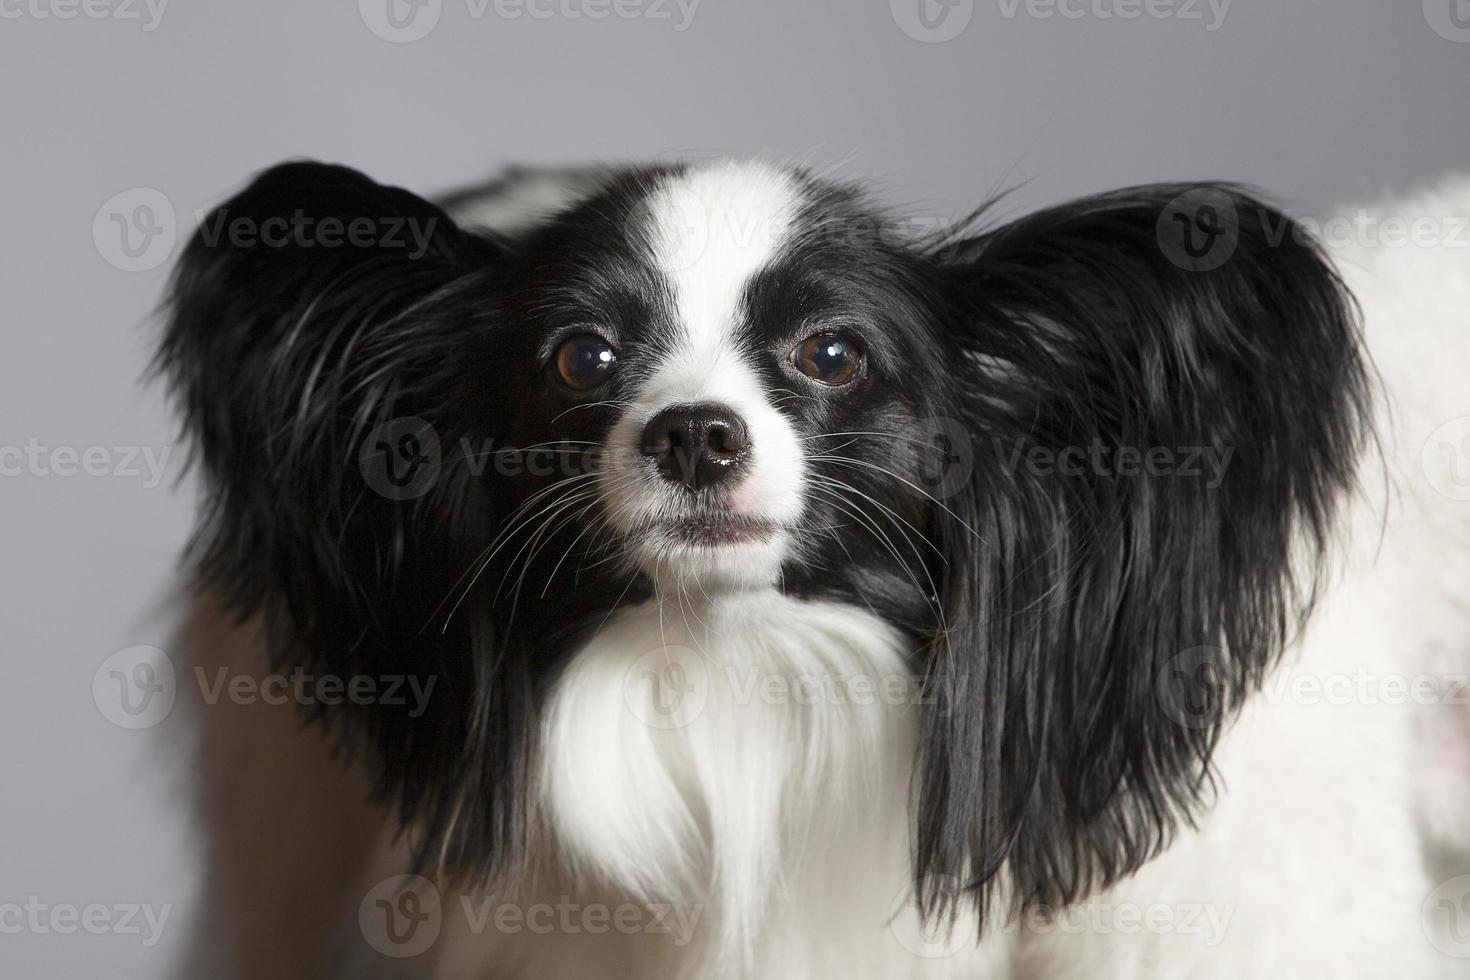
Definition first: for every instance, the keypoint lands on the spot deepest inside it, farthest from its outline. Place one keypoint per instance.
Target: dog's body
(728, 761)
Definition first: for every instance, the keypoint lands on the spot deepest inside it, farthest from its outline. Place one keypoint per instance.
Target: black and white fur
(1052, 751)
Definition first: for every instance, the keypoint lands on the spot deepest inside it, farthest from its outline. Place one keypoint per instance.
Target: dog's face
(747, 381)
(737, 368)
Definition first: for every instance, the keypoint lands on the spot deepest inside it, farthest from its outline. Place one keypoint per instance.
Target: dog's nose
(697, 445)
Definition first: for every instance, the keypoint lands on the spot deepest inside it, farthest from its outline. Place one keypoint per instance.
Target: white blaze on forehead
(712, 229)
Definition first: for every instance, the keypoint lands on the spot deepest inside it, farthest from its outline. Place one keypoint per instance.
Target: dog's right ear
(320, 326)
(311, 269)
(1104, 621)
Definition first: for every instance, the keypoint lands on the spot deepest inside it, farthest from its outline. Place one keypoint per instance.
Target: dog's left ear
(328, 339)
(1167, 397)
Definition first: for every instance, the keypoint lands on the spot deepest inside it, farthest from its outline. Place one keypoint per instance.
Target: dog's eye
(828, 358)
(585, 361)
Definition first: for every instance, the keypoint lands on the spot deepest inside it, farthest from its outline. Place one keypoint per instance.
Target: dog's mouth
(714, 530)
(717, 550)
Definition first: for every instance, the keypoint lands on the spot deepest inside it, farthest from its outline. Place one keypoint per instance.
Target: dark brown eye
(585, 361)
(828, 358)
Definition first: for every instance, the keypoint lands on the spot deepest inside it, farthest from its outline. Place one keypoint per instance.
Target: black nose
(696, 445)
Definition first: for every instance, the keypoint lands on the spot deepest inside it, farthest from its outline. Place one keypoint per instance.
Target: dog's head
(1057, 454)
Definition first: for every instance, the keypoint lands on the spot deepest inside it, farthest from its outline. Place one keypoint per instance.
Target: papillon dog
(793, 591)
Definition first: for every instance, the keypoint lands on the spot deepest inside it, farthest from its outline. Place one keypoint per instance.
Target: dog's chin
(711, 554)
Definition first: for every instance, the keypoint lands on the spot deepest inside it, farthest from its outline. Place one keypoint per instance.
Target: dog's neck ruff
(750, 752)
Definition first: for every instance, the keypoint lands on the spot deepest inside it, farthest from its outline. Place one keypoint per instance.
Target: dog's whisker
(850, 508)
(850, 461)
(512, 527)
(547, 517)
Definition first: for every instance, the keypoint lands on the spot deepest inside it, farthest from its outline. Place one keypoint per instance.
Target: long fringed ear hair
(1106, 613)
(319, 328)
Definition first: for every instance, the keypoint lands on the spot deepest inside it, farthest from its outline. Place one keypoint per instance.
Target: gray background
(1317, 101)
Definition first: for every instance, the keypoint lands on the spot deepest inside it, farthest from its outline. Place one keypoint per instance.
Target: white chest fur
(750, 757)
